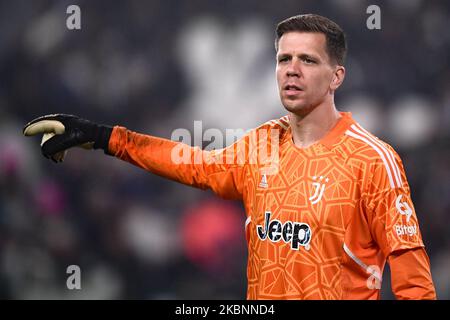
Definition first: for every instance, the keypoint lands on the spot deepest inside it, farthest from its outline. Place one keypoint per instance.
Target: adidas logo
(263, 183)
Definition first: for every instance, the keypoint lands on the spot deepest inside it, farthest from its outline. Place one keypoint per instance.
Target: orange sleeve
(218, 170)
(411, 276)
(390, 210)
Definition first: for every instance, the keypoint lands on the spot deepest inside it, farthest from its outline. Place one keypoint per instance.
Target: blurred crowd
(155, 66)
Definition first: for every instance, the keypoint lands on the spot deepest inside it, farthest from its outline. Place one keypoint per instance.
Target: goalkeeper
(325, 214)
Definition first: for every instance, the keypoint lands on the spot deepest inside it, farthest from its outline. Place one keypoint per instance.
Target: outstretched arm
(218, 170)
(180, 162)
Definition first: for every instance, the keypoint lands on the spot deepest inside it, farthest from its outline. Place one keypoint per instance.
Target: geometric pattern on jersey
(355, 169)
(321, 221)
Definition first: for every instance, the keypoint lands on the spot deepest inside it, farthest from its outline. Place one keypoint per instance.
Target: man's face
(304, 71)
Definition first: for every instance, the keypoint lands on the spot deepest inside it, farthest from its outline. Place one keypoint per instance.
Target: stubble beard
(300, 109)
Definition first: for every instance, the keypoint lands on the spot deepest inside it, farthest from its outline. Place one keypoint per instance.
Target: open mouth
(292, 87)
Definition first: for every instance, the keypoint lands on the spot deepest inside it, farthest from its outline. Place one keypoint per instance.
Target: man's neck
(309, 129)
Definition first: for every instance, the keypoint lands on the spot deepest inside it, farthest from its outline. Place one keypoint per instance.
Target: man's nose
(293, 69)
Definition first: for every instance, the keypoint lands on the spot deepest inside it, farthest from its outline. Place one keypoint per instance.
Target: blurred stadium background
(155, 66)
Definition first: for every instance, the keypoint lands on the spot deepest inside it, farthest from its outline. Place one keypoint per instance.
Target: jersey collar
(338, 130)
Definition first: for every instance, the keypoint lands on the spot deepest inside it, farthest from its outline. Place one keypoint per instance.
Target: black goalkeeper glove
(62, 131)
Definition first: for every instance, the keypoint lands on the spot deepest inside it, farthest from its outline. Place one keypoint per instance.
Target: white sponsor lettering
(403, 230)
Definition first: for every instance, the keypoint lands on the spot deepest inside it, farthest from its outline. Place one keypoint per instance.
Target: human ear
(338, 77)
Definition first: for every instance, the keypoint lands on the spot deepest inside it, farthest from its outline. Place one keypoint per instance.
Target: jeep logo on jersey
(297, 233)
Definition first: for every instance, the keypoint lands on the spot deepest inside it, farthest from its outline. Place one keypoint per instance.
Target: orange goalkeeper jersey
(321, 221)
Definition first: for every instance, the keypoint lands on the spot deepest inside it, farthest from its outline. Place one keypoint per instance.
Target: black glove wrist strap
(102, 137)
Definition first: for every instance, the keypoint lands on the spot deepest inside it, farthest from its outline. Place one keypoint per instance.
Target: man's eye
(309, 61)
(284, 59)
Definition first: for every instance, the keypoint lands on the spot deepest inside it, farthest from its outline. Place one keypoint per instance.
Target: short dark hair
(336, 44)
